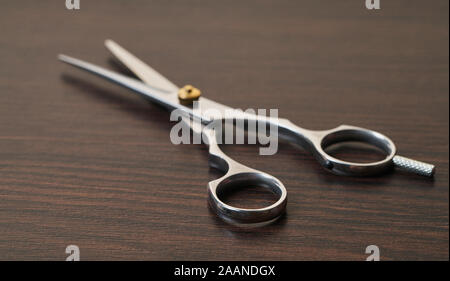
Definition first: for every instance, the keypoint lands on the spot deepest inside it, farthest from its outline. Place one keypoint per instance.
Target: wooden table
(85, 162)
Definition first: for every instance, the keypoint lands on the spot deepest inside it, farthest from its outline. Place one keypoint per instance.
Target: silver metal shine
(161, 90)
(141, 69)
(414, 166)
(237, 175)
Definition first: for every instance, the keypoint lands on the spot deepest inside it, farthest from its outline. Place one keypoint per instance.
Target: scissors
(160, 90)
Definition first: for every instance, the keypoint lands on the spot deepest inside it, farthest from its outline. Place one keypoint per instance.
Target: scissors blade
(154, 79)
(141, 69)
(169, 100)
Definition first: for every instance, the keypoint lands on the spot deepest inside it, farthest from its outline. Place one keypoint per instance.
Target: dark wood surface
(85, 162)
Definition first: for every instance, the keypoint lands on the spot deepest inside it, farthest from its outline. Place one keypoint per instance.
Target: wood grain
(85, 162)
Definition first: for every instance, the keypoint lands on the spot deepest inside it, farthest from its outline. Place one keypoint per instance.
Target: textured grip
(414, 166)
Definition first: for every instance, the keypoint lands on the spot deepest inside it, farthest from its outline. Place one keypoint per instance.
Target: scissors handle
(238, 175)
(318, 141)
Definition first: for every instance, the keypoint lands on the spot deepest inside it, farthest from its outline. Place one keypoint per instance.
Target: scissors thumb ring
(238, 175)
(317, 142)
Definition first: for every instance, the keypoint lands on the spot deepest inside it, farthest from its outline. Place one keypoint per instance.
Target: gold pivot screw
(189, 93)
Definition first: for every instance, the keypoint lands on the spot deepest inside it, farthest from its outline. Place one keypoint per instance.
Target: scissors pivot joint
(188, 94)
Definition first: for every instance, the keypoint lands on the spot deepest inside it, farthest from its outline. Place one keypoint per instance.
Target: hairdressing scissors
(162, 91)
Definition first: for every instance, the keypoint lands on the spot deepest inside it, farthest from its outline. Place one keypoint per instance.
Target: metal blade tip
(110, 44)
